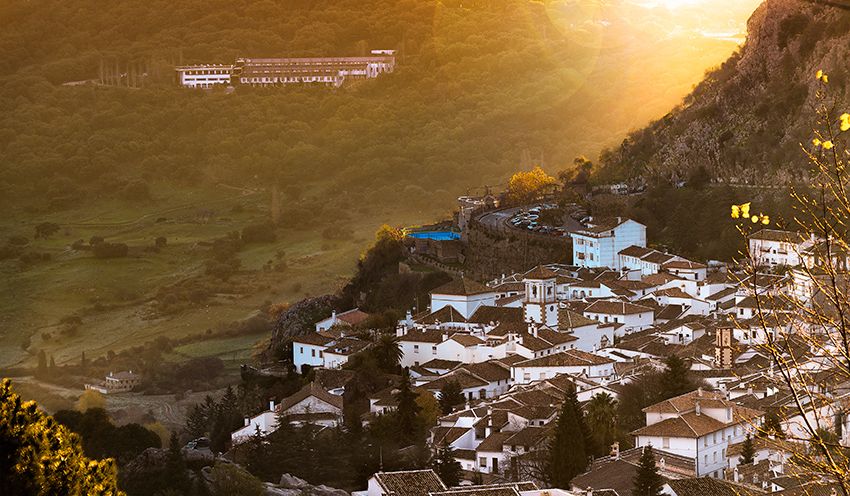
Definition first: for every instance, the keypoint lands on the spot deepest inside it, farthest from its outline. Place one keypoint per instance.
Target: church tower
(723, 348)
(540, 304)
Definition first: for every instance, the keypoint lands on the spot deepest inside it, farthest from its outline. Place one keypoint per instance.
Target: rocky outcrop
(293, 486)
(745, 122)
(300, 319)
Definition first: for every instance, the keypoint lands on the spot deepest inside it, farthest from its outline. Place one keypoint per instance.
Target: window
(482, 461)
(434, 350)
(416, 348)
(301, 350)
(665, 442)
(313, 353)
(526, 376)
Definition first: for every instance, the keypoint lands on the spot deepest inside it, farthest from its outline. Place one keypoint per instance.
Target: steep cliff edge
(745, 121)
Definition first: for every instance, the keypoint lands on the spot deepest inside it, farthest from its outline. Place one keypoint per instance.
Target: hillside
(480, 90)
(745, 121)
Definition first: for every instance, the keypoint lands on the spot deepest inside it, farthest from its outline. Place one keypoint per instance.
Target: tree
(567, 455)
(647, 481)
(175, 470)
(41, 371)
(451, 395)
(446, 466)
(748, 451)
(524, 187)
(90, 399)
(387, 352)
(407, 413)
(38, 456)
(230, 480)
(601, 420)
(772, 426)
(676, 380)
(429, 408)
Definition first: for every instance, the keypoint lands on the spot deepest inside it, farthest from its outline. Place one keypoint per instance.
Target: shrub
(110, 250)
(258, 233)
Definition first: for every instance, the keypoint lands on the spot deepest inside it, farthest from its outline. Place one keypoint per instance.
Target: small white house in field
(599, 244)
(464, 295)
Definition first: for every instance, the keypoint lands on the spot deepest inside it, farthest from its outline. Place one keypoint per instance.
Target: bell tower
(723, 348)
(540, 304)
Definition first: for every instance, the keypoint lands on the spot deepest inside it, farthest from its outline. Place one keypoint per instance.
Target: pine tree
(447, 467)
(175, 469)
(647, 481)
(772, 426)
(748, 451)
(407, 413)
(451, 395)
(567, 457)
(676, 380)
(42, 364)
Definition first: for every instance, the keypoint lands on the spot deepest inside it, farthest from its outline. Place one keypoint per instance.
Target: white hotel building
(204, 76)
(599, 244)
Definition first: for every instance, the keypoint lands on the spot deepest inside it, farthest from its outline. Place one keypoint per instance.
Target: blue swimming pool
(438, 235)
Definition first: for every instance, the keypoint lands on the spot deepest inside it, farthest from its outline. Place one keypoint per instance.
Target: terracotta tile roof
(409, 482)
(540, 273)
(429, 336)
(447, 435)
(659, 279)
(486, 314)
(440, 364)
(313, 389)
(706, 486)
(463, 377)
(688, 425)
(445, 314)
(494, 442)
(658, 258)
(312, 338)
(490, 371)
(462, 287)
(568, 319)
(616, 308)
(683, 265)
(636, 251)
(568, 358)
(555, 337)
(673, 293)
(466, 340)
(353, 316)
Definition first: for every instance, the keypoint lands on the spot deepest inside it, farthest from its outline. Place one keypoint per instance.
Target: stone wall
(491, 252)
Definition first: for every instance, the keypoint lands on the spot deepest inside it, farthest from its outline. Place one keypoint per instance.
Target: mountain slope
(745, 121)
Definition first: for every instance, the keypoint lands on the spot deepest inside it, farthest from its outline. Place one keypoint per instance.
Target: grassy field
(114, 296)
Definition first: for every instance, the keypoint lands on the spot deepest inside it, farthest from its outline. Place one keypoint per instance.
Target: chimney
(532, 329)
(699, 391)
(615, 450)
(589, 491)
(271, 404)
(247, 421)
(445, 336)
(697, 409)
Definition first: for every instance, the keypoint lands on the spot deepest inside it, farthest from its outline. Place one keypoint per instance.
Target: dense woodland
(480, 91)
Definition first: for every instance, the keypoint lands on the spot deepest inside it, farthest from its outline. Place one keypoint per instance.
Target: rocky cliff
(745, 121)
